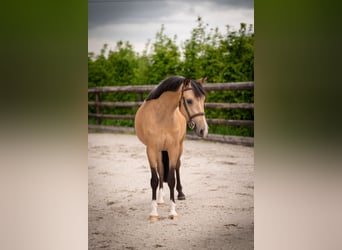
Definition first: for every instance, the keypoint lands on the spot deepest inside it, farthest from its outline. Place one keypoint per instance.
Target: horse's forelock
(198, 89)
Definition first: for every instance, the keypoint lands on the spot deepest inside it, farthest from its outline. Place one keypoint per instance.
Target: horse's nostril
(201, 132)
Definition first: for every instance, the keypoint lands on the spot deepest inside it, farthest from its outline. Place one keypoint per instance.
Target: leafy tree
(122, 62)
(239, 48)
(98, 74)
(165, 58)
(194, 51)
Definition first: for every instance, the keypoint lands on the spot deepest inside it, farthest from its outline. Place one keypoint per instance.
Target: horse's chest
(167, 138)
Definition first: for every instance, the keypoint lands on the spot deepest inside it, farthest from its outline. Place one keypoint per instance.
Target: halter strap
(190, 122)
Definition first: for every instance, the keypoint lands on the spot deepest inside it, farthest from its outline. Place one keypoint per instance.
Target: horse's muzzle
(202, 132)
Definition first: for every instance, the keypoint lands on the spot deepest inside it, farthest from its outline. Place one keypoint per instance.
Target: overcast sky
(137, 21)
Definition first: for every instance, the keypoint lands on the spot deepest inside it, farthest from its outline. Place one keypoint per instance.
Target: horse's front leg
(154, 185)
(161, 162)
(171, 182)
(181, 195)
(153, 158)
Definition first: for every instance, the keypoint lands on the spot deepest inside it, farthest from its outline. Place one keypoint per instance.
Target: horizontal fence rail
(207, 105)
(141, 89)
(148, 88)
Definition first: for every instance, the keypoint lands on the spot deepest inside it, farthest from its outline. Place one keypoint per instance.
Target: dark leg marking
(165, 160)
(171, 182)
(161, 182)
(154, 183)
(181, 195)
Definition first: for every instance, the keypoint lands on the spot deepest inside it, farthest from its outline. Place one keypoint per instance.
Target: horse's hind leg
(160, 198)
(181, 195)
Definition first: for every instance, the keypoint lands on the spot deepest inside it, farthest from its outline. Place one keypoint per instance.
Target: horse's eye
(189, 101)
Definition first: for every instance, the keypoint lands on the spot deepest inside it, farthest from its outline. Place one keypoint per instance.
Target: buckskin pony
(160, 124)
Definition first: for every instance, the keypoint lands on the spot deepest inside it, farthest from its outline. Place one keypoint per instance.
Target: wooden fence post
(140, 97)
(98, 112)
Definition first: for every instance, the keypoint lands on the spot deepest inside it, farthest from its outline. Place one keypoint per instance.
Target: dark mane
(172, 84)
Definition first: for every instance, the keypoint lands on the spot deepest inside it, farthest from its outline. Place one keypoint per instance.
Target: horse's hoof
(161, 204)
(173, 217)
(153, 218)
(181, 197)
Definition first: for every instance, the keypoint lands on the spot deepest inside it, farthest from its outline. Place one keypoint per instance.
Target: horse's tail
(165, 159)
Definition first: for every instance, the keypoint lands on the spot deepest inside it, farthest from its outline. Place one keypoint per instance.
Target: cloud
(103, 12)
(125, 12)
(137, 21)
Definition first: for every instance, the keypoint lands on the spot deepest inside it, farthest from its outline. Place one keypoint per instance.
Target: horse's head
(192, 105)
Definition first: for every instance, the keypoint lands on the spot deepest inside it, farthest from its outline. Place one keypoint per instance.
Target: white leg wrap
(154, 206)
(160, 198)
(173, 209)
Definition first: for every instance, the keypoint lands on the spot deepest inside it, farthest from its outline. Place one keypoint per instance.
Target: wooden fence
(140, 89)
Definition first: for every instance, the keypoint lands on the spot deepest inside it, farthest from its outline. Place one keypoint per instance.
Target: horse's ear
(202, 80)
(187, 82)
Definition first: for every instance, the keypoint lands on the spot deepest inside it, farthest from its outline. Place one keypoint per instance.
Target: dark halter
(190, 122)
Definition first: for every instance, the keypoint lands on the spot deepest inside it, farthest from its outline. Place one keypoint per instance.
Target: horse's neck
(168, 103)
